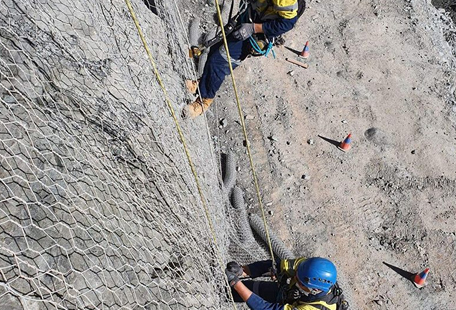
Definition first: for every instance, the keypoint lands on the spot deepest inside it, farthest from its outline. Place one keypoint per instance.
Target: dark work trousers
(217, 67)
(265, 289)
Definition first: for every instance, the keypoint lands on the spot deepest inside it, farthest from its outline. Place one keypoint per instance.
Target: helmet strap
(301, 290)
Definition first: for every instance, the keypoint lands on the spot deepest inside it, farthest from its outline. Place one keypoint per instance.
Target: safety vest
(272, 9)
(315, 305)
(288, 268)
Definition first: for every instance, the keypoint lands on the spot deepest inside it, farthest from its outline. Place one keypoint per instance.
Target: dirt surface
(384, 72)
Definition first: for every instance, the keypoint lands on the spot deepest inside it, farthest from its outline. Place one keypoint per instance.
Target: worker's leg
(214, 73)
(265, 289)
(217, 67)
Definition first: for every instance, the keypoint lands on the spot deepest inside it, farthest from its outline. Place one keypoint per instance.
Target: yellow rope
(181, 136)
(241, 116)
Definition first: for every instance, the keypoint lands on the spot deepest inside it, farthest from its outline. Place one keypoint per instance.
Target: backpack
(335, 297)
(342, 303)
(301, 7)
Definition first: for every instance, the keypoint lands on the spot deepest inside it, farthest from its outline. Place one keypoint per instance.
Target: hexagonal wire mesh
(98, 206)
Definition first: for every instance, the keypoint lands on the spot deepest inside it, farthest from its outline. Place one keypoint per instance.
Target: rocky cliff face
(99, 207)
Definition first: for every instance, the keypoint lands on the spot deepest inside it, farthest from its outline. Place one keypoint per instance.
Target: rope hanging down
(244, 130)
(181, 136)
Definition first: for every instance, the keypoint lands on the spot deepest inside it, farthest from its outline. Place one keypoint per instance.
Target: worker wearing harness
(268, 18)
(303, 284)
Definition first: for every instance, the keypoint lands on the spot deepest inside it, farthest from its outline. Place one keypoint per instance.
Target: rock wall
(99, 208)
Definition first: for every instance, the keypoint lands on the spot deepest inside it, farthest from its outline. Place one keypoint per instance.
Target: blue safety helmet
(317, 273)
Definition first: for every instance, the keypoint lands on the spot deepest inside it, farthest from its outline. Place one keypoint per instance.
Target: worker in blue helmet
(303, 284)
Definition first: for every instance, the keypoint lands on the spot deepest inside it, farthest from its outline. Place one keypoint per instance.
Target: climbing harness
(259, 47)
(259, 44)
(196, 51)
(263, 46)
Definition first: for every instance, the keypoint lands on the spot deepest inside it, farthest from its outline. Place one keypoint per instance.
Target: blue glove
(244, 32)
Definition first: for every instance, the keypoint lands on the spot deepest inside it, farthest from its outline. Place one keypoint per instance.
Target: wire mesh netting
(98, 206)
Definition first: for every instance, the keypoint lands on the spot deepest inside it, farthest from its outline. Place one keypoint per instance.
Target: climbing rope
(181, 136)
(258, 49)
(244, 130)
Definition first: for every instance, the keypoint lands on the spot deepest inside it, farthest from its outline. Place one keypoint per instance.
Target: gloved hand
(244, 31)
(233, 271)
(234, 268)
(232, 277)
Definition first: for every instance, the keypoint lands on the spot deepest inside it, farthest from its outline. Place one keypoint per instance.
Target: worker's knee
(219, 56)
(235, 61)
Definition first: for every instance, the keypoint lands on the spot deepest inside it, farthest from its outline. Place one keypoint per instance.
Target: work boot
(192, 86)
(196, 108)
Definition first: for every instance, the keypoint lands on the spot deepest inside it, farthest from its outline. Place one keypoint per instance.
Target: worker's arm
(260, 268)
(254, 301)
(271, 28)
(276, 27)
(258, 28)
